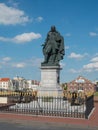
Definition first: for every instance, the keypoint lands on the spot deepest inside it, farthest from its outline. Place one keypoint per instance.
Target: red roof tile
(4, 79)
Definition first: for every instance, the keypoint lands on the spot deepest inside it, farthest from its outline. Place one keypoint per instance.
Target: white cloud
(6, 59)
(96, 54)
(75, 71)
(19, 65)
(36, 62)
(66, 47)
(22, 38)
(91, 66)
(72, 71)
(95, 59)
(93, 34)
(11, 15)
(68, 34)
(26, 37)
(4, 39)
(39, 19)
(62, 64)
(76, 56)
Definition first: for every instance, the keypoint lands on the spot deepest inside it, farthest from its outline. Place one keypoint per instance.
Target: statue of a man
(53, 48)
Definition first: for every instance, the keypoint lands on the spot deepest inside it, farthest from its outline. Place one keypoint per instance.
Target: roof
(4, 79)
(81, 79)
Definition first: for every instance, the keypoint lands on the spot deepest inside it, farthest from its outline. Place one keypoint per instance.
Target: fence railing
(89, 102)
(76, 107)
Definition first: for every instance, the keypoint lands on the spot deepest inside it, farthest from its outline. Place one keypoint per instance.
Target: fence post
(89, 103)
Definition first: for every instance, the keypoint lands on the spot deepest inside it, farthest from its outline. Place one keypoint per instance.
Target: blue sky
(24, 25)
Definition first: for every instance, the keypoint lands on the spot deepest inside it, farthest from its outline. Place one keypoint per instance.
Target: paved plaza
(27, 122)
(25, 125)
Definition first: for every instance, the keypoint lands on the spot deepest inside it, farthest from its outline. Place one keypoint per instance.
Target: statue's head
(53, 28)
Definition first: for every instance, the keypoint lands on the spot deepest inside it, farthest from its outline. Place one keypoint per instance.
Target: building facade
(5, 84)
(81, 84)
(33, 84)
(19, 83)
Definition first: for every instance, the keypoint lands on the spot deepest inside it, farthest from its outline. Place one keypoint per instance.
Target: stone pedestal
(50, 81)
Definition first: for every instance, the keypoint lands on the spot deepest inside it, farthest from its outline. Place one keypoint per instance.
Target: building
(81, 84)
(5, 84)
(33, 84)
(96, 84)
(19, 83)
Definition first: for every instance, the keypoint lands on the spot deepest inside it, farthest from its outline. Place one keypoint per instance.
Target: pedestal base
(50, 77)
(50, 93)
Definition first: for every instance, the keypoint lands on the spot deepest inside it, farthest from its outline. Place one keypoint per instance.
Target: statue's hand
(43, 45)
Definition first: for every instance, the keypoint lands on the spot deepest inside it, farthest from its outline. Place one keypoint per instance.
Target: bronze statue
(53, 48)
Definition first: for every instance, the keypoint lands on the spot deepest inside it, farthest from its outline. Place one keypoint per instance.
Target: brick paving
(91, 122)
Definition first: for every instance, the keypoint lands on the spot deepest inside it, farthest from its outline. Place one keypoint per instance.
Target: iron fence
(89, 102)
(76, 107)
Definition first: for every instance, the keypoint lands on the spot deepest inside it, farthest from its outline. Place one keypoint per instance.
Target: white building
(5, 84)
(19, 83)
(33, 84)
